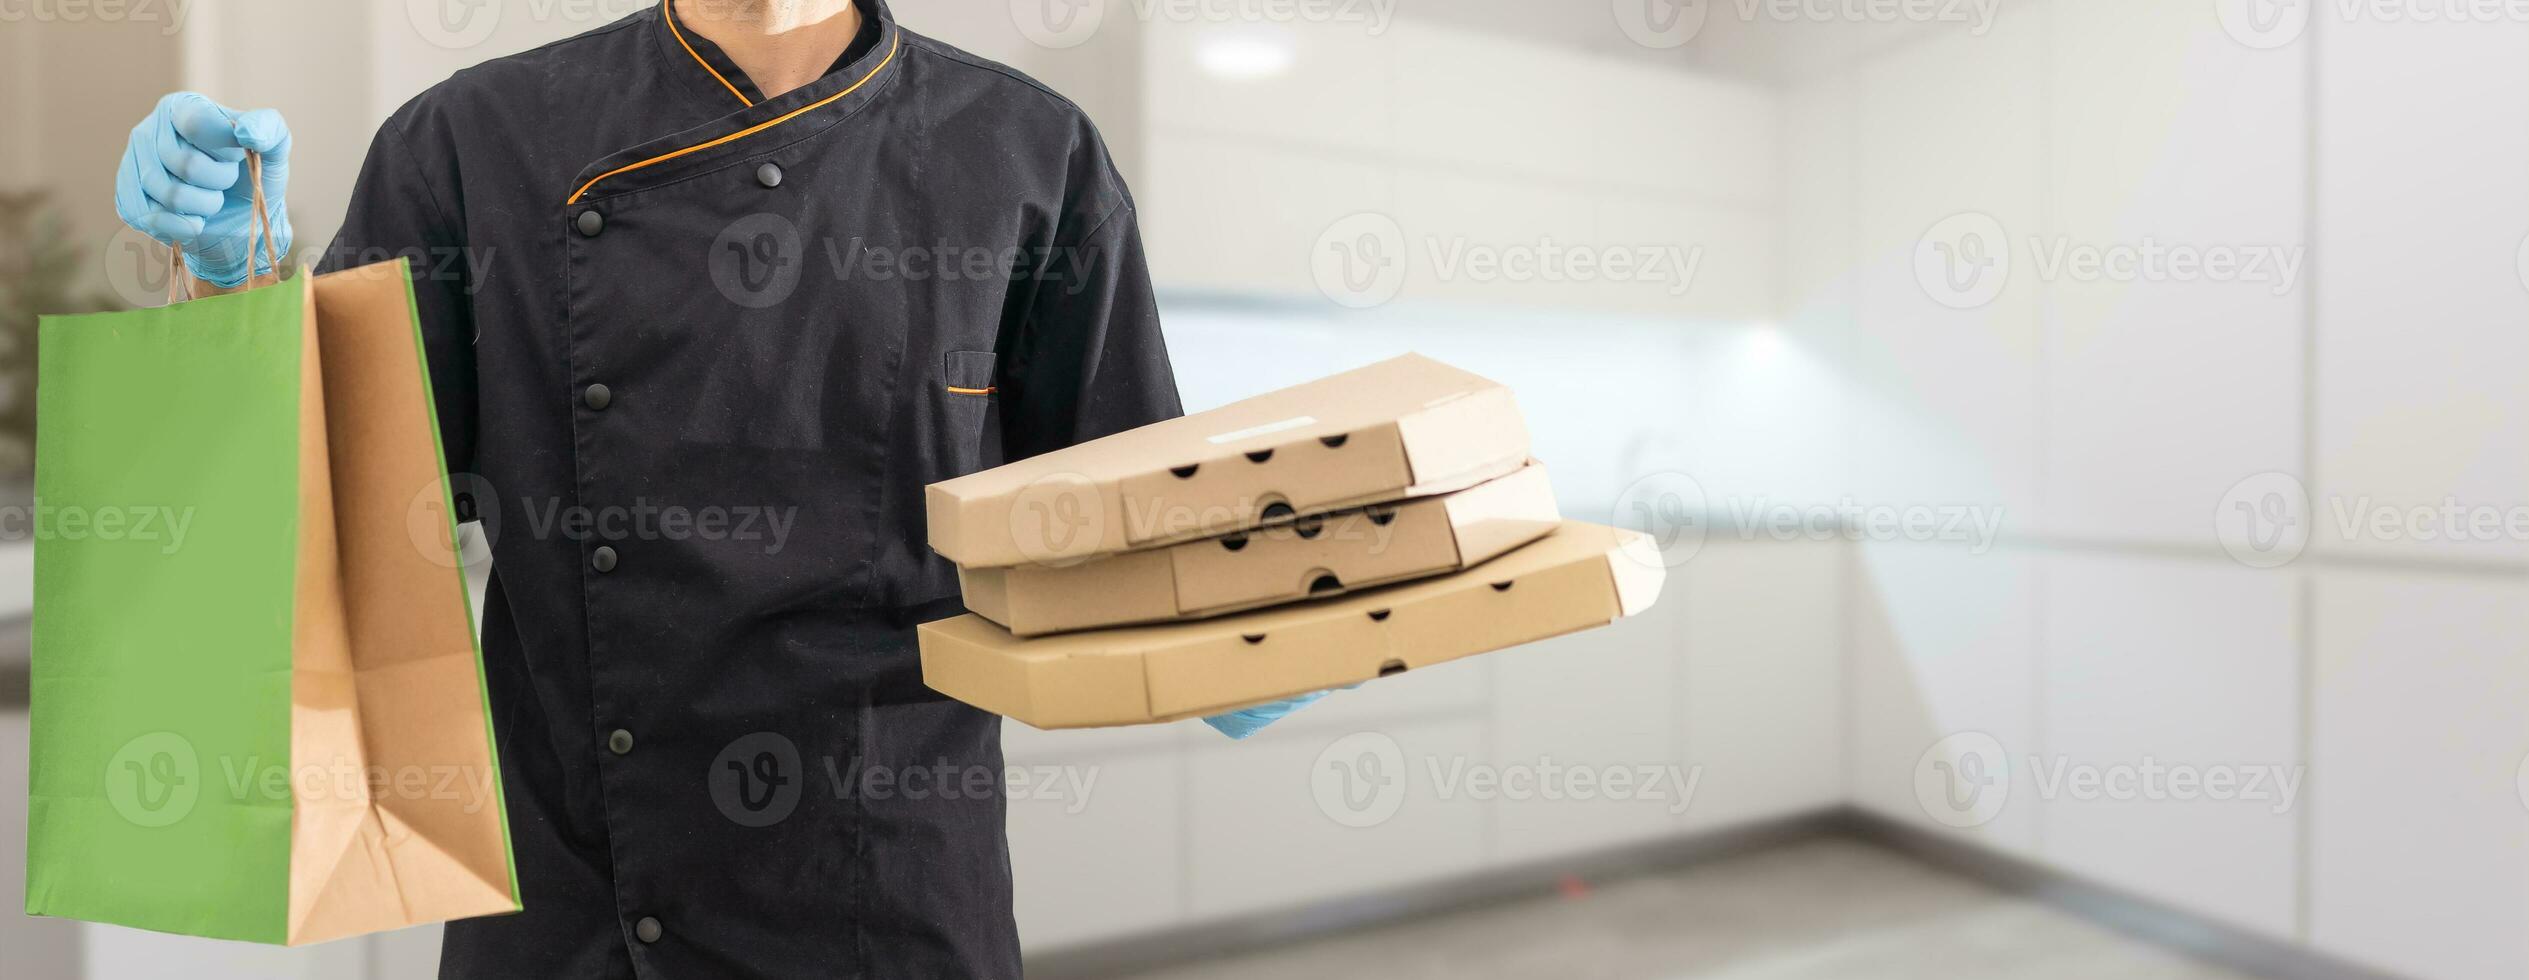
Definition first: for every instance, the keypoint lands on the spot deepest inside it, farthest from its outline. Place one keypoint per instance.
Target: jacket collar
(720, 81)
(865, 71)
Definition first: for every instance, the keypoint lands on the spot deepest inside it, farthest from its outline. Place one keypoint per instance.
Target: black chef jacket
(695, 353)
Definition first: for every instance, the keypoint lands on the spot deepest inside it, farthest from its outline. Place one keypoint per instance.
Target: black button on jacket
(800, 311)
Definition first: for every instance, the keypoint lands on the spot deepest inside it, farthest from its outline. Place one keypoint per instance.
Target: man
(720, 260)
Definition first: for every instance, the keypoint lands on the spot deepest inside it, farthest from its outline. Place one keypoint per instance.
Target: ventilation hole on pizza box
(1260, 455)
(1186, 472)
(1310, 527)
(1382, 515)
(1501, 586)
(1278, 511)
(1334, 442)
(1380, 615)
(1324, 584)
(1252, 637)
(1391, 667)
(1234, 542)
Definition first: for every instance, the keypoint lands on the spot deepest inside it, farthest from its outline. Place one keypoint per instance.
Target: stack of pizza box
(1354, 527)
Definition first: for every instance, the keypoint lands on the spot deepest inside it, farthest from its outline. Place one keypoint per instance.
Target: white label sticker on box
(1269, 428)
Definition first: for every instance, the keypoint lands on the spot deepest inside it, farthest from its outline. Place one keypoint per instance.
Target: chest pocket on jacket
(969, 434)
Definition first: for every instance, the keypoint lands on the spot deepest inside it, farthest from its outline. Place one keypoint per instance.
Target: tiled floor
(1805, 912)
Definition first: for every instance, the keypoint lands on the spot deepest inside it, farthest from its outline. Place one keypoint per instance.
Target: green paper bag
(258, 706)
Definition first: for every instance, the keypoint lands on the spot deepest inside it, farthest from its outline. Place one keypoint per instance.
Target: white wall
(2119, 423)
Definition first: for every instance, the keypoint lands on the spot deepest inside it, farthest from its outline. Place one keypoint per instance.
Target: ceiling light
(1246, 54)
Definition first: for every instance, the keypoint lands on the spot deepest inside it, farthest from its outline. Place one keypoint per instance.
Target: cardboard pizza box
(1311, 557)
(1399, 429)
(1578, 577)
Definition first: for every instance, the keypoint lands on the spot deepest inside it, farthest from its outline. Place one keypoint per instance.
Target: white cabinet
(1304, 814)
(1493, 103)
(1461, 230)
(2421, 218)
(1763, 677)
(1943, 675)
(1336, 95)
(1683, 135)
(2419, 831)
(2174, 264)
(1097, 846)
(1605, 703)
(2169, 762)
(1503, 171)
(1945, 413)
(1276, 203)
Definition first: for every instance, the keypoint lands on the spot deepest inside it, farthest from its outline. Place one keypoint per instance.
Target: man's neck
(780, 44)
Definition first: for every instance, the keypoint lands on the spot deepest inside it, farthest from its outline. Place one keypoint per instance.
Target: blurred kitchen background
(2090, 439)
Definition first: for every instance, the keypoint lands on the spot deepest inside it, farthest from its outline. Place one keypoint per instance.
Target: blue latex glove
(183, 183)
(1248, 721)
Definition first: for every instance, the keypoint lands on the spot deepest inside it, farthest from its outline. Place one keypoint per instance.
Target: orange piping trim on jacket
(667, 9)
(751, 130)
(955, 390)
